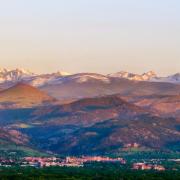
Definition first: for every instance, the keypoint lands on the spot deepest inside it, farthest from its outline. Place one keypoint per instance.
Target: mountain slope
(96, 126)
(91, 122)
(164, 105)
(12, 136)
(116, 134)
(22, 95)
(71, 89)
(171, 79)
(13, 142)
(100, 125)
(88, 111)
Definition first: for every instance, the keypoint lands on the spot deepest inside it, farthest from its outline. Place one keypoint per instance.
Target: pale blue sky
(90, 35)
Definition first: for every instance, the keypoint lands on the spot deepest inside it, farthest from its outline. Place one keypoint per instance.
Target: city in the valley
(72, 161)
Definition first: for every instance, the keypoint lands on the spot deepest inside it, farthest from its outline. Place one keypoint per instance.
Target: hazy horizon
(90, 36)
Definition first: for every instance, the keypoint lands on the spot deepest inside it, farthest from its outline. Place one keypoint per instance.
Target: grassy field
(12, 150)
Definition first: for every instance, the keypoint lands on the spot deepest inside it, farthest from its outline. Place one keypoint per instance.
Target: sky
(102, 36)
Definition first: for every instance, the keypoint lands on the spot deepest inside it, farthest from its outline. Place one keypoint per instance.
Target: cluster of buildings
(85, 159)
(132, 145)
(68, 161)
(6, 162)
(144, 166)
(40, 161)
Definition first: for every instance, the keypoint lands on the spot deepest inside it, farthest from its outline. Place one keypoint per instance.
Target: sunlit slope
(23, 95)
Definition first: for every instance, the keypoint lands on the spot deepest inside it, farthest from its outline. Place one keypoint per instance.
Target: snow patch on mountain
(85, 77)
(170, 79)
(23, 75)
(54, 78)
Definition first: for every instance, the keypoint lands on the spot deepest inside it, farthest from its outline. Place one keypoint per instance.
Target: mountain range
(88, 113)
(17, 75)
(69, 87)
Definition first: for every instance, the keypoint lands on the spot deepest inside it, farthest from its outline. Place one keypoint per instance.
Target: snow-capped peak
(23, 71)
(149, 75)
(62, 73)
(135, 77)
(121, 74)
(14, 75)
(3, 70)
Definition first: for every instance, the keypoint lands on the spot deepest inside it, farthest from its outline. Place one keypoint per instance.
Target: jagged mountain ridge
(22, 75)
(135, 77)
(17, 75)
(68, 88)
